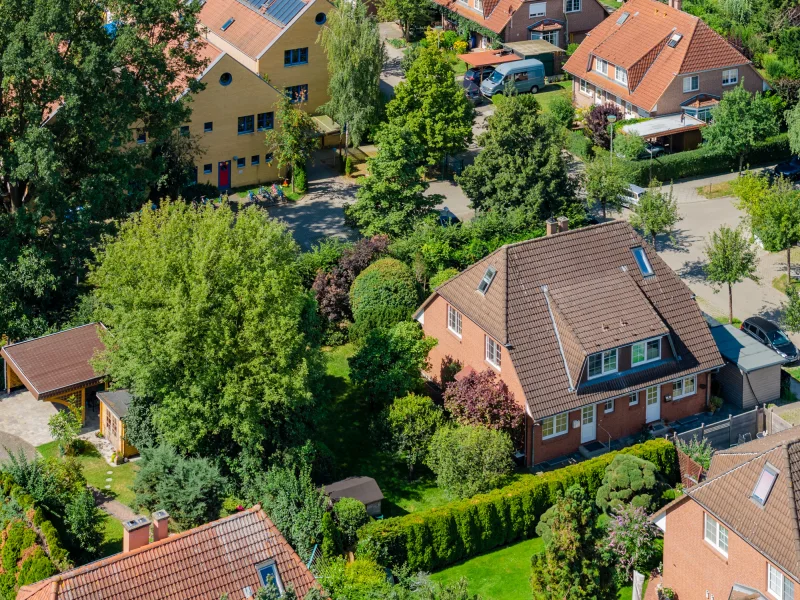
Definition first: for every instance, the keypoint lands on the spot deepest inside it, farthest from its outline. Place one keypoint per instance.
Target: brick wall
(693, 567)
(710, 83)
(690, 470)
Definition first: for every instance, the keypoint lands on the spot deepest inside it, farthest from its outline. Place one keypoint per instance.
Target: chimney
(135, 534)
(160, 521)
(677, 4)
(563, 224)
(551, 226)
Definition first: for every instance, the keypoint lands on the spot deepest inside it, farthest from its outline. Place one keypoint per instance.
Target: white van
(527, 76)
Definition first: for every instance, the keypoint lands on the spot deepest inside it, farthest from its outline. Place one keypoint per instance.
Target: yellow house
(114, 408)
(256, 50)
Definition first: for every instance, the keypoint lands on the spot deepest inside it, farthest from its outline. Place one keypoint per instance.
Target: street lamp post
(611, 120)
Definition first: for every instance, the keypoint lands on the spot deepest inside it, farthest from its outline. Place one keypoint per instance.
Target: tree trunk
(741, 161)
(789, 265)
(405, 30)
(604, 210)
(654, 241)
(730, 303)
(292, 178)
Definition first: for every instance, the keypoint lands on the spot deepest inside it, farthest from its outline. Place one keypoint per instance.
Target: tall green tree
(572, 566)
(294, 138)
(207, 319)
(408, 12)
(413, 420)
(773, 212)
(740, 120)
(356, 55)
(730, 259)
(392, 197)
(790, 319)
(656, 212)
(521, 164)
(605, 185)
(793, 122)
(431, 105)
(72, 93)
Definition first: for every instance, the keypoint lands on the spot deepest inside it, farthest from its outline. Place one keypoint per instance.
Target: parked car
(650, 150)
(632, 194)
(769, 334)
(472, 91)
(477, 74)
(789, 169)
(527, 76)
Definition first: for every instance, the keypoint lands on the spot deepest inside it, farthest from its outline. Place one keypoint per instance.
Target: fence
(734, 430)
(775, 423)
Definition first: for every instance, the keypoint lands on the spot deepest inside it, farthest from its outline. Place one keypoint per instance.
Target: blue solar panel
(279, 12)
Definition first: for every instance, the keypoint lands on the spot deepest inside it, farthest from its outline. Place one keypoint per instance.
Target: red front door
(224, 178)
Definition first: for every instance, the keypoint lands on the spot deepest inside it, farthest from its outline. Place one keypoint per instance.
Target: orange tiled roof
(202, 563)
(495, 16)
(640, 46)
(250, 32)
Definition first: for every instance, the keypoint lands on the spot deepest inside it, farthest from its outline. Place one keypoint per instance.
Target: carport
(752, 371)
(56, 367)
(680, 132)
(542, 50)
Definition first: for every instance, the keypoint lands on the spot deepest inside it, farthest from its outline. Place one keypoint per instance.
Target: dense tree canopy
(521, 164)
(72, 93)
(207, 320)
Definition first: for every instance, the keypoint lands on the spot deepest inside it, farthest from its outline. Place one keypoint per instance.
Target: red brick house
(736, 535)
(592, 332)
(652, 59)
(559, 22)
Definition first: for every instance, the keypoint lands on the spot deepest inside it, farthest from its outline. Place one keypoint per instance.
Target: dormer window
(268, 575)
(601, 66)
(764, 485)
(602, 363)
(621, 75)
(647, 351)
(642, 261)
(488, 277)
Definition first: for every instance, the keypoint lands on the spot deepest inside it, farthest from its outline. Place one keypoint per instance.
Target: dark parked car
(478, 74)
(770, 335)
(789, 169)
(651, 149)
(473, 92)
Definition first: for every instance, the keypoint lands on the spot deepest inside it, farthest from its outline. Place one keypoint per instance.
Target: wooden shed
(752, 371)
(114, 408)
(363, 489)
(56, 367)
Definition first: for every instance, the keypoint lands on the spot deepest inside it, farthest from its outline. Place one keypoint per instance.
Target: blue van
(526, 75)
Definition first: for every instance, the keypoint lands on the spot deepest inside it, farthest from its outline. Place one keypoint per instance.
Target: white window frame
(646, 360)
(572, 3)
(633, 399)
(608, 406)
(727, 79)
(494, 354)
(601, 66)
(478, 5)
(559, 424)
(540, 7)
(781, 583)
(454, 321)
(621, 75)
(603, 370)
(583, 86)
(716, 538)
(547, 36)
(691, 80)
(682, 382)
(656, 389)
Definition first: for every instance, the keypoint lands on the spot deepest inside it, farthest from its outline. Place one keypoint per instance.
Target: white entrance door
(653, 403)
(588, 425)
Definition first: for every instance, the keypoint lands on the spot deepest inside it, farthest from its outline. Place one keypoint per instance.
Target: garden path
(113, 507)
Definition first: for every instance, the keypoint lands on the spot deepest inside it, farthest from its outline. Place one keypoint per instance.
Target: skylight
(227, 24)
(674, 39)
(642, 261)
(623, 17)
(765, 483)
(488, 276)
(268, 575)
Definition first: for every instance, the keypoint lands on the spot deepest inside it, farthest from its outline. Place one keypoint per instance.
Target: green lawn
(546, 95)
(346, 430)
(112, 537)
(96, 469)
(503, 574)
(241, 192)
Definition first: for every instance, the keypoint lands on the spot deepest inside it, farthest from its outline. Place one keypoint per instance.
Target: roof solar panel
(279, 12)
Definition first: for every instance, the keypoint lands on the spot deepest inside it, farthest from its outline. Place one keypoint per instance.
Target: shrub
(65, 426)
(389, 362)
(629, 480)
(579, 145)
(700, 451)
(432, 539)
(85, 523)
(597, 123)
(331, 537)
(484, 399)
(413, 420)
(469, 459)
(629, 145)
(442, 276)
(300, 180)
(382, 295)
(351, 515)
(348, 166)
(630, 540)
(35, 567)
(563, 110)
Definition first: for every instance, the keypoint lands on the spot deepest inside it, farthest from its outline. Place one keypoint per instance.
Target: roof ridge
(564, 233)
(738, 466)
(41, 337)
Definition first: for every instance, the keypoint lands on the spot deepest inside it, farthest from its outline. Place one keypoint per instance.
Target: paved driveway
(24, 418)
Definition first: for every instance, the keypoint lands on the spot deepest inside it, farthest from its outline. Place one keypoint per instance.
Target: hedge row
(704, 161)
(435, 538)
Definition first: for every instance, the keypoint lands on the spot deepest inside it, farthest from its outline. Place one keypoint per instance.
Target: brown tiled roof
(251, 32)
(495, 16)
(640, 46)
(515, 312)
(202, 563)
(773, 529)
(56, 363)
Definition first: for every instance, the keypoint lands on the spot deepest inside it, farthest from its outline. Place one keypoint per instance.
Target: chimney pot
(160, 525)
(135, 534)
(551, 226)
(563, 224)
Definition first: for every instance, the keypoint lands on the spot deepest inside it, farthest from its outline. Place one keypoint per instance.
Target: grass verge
(716, 190)
(545, 96)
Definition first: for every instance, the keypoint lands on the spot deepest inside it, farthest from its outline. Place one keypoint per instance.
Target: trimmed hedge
(432, 539)
(382, 295)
